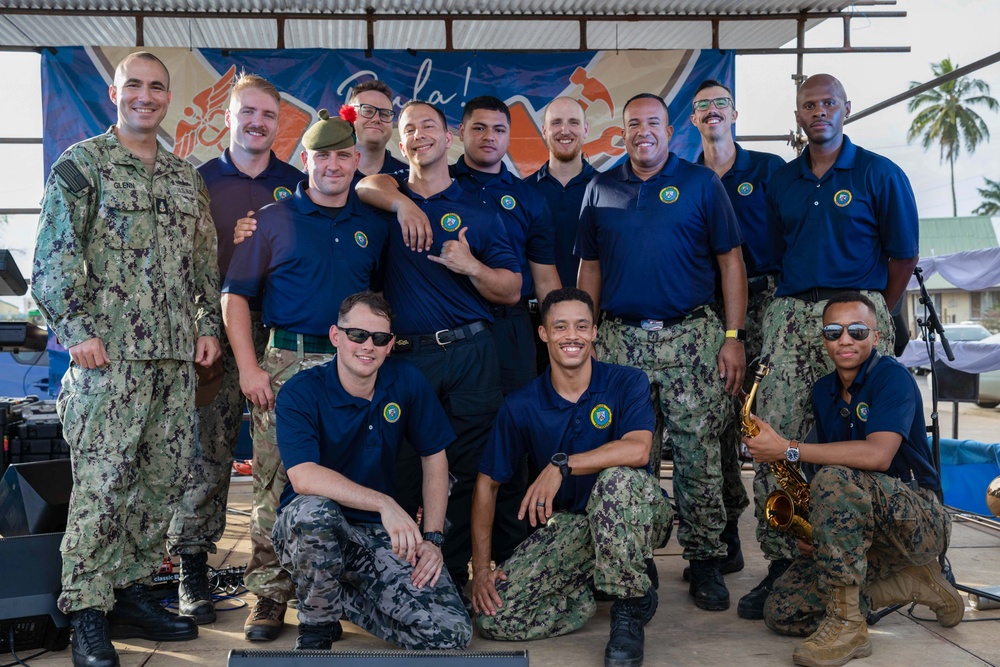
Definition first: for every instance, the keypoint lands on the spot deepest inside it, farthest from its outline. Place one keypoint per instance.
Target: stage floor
(679, 635)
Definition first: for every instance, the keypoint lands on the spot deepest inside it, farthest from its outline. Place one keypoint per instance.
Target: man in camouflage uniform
(588, 428)
(350, 548)
(841, 218)
(744, 175)
(878, 525)
(651, 233)
(125, 273)
(310, 251)
(244, 178)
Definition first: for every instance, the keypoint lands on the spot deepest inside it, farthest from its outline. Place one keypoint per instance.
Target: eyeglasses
(379, 338)
(719, 102)
(369, 111)
(856, 331)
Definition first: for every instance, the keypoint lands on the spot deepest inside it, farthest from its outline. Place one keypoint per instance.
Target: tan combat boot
(842, 636)
(923, 584)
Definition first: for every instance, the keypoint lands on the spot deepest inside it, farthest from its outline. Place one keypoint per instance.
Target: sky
(964, 30)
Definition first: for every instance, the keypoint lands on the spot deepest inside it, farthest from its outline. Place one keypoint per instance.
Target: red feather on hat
(348, 113)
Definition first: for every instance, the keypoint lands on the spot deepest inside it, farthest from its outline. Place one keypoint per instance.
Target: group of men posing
(378, 479)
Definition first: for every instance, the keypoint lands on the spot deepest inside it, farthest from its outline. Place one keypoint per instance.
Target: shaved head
(822, 80)
(139, 55)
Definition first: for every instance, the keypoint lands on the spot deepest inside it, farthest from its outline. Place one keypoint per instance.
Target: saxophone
(787, 508)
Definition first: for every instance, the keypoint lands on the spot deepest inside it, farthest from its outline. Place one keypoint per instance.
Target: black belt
(505, 311)
(819, 293)
(655, 325)
(440, 338)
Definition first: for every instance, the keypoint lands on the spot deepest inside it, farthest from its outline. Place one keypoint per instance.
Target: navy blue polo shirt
(840, 231)
(745, 183)
(319, 422)
(657, 240)
(233, 193)
(884, 397)
(538, 421)
(305, 263)
(427, 297)
(522, 210)
(563, 203)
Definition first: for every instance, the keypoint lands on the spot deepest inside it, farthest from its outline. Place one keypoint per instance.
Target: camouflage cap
(329, 133)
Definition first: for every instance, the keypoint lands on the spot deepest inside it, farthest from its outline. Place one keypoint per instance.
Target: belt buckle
(651, 325)
(437, 337)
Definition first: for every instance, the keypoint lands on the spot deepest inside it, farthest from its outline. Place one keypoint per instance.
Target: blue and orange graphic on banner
(77, 78)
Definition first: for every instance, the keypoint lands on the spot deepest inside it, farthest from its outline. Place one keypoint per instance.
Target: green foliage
(944, 117)
(991, 318)
(991, 198)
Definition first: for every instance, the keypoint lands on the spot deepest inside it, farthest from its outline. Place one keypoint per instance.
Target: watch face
(560, 458)
(792, 454)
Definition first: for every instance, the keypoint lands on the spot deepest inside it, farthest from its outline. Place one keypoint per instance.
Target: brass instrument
(787, 508)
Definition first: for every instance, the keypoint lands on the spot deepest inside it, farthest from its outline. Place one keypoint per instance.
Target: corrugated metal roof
(244, 24)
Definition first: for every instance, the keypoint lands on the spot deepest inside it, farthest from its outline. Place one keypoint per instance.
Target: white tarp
(971, 357)
(969, 270)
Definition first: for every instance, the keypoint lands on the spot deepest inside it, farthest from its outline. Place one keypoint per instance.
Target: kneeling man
(878, 524)
(588, 428)
(350, 549)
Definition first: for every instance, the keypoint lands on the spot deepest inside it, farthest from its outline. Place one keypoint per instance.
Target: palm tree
(991, 198)
(945, 118)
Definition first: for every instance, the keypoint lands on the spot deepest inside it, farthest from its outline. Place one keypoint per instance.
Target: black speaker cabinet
(954, 385)
(29, 588)
(245, 658)
(34, 498)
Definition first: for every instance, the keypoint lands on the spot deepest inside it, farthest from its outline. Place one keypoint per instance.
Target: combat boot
(625, 646)
(138, 614)
(265, 620)
(923, 584)
(707, 586)
(733, 560)
(318, 637)
(194, 593)
(841, 636)
(751, 605)
(91, 644)
(647, 605)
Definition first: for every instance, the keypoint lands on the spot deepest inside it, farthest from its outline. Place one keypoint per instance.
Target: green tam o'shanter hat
(329, 133)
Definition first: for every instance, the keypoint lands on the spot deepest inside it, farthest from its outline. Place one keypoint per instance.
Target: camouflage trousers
(348, 569)
(734, 494)
(547, 590)
(689, 399)
(130, 434)
(264, 576)
(866, 526)
(794, 350)
(200, 518)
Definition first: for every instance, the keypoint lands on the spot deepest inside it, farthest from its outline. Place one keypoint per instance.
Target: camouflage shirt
(126, 256)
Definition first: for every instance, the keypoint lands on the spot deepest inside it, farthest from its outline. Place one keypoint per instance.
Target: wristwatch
(561, 461)
(434, 537)
(792, 453)
(739, 334)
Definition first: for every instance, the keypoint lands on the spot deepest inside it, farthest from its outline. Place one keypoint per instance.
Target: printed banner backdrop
(76, 104)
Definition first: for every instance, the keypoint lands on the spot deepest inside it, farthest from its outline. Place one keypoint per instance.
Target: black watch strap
(434, 537)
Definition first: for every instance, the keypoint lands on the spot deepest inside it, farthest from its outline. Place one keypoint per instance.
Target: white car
(989, 382)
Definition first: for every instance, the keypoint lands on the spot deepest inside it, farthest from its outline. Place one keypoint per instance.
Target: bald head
(564, 107)
(821, 81)
(564, 129)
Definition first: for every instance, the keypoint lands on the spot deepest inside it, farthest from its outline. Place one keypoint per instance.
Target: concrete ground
(680, 634)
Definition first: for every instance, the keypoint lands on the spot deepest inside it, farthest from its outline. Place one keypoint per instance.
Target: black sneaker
(318, 637)
(91, 644)
(751, 605)
(138, 614)
(707, 586)
(194, 593)
(625, 646)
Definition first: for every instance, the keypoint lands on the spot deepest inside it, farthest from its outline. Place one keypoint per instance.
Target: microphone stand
(931, 329)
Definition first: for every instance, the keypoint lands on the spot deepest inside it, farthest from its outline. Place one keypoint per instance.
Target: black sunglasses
(379, 338)
(855, 331)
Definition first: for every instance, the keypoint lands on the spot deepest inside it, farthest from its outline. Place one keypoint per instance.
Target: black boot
(91, 644)
(751, 605)
(625, 646)
(318, 637)
(707, 586)
(733, 560)
(195, 596)
(647, 605)
(138, 614)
